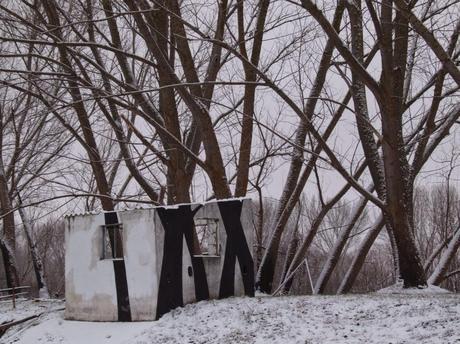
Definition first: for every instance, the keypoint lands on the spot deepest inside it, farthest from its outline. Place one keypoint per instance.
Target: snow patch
(398, 288)
(25, 308)
(371, 318)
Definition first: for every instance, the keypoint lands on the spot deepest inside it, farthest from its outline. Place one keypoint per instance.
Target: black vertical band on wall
(121, 282)
(199, 272)
(235, 247)
(178, 222)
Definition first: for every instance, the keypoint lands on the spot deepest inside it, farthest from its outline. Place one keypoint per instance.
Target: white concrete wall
(140, 260)
(89, 281)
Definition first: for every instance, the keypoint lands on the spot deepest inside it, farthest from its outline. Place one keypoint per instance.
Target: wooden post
(14, 298)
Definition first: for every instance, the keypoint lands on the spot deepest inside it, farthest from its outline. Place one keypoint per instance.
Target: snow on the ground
(53, 329)
(25, 308)
(371, 318)
(398, 289)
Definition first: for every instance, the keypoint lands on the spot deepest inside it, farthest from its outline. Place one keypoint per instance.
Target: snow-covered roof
(146, 207)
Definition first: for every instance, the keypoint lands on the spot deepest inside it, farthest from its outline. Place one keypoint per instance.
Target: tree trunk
(36, 260)
(9, 263)
(8, 237)
(292, 249)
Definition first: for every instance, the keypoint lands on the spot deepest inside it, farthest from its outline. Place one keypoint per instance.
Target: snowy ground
(25, 308)
(429, 316)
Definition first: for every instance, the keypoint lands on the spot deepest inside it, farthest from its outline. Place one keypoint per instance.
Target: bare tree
(167, 102)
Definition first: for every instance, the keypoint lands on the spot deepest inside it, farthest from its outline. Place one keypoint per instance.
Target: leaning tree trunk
(292, 249)
(438, 274)
(310, 235)
(360, 257)
(266, 272)
(437, 251)
(336, 251)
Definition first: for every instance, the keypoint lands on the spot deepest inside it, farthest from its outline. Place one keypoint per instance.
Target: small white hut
(138, 264)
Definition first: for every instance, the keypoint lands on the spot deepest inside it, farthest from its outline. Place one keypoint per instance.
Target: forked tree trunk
(399, 184)
(389, 93)
(214, 161)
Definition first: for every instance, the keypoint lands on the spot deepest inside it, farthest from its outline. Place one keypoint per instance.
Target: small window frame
(207, 221)
(105, 255)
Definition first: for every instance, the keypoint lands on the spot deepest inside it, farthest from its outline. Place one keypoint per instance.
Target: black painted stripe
(121, 282)
(235, 247)
(178, 222)
(170, 287)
